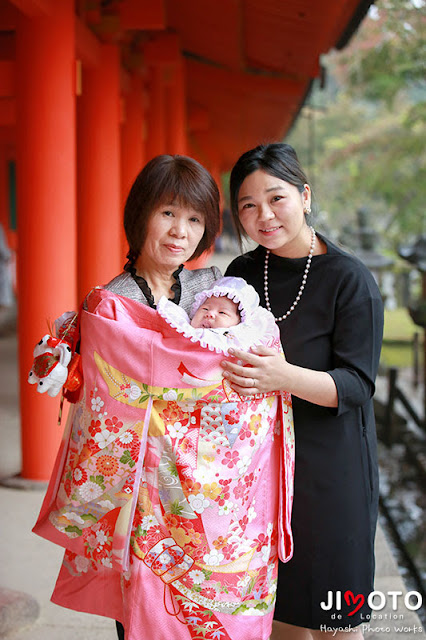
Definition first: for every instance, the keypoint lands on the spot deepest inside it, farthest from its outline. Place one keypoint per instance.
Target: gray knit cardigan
(191, 283)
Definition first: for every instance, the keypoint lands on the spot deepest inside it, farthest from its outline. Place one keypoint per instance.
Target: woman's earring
(307, 210)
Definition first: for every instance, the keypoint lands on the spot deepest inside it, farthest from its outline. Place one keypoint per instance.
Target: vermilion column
(176, 110)
(98, 169)
(46, 210)
(214, 169)
(132, 141)
(156, 120)
(166, 119)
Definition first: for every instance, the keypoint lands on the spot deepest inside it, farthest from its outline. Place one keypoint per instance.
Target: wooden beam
(212, 29)
(331, 26)
(88, 47)
(34, 8)
(143, 15)
(90, 11)
(8, 17)
(209, 79)
(162, 50)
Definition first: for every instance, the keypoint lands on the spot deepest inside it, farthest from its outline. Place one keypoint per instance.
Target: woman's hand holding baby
(266, 370)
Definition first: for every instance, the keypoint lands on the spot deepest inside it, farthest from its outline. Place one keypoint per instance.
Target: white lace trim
(259, 329)
(236, 289)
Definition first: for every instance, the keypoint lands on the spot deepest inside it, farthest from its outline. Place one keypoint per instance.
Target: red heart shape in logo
(350, 599)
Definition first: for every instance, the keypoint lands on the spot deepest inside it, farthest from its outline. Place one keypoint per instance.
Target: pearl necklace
(302, 286)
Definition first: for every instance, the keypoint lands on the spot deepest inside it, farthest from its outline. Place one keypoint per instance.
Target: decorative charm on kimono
(55, 365)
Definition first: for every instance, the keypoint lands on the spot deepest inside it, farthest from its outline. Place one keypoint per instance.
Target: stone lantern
(366, 249)
(363, 240)
(416, 255)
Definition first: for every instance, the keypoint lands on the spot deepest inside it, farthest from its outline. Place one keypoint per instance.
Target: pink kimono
(171, 493)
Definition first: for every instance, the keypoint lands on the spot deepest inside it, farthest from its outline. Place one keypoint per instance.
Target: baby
(227, 314)
(215, 313)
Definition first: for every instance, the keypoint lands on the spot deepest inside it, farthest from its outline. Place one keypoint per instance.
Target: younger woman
(330, 314)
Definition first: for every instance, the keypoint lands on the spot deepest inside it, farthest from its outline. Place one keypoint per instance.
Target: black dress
(336, 327)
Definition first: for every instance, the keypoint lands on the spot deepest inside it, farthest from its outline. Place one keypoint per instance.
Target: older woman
(158, 492)
(330, 314)
(171, 215)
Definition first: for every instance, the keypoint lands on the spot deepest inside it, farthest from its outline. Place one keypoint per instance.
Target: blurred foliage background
(361, 135)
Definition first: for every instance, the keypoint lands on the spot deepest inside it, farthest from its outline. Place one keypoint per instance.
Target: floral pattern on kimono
(189, 487)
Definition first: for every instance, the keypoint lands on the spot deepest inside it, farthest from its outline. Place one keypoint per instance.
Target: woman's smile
(270, 230)
(271, 212)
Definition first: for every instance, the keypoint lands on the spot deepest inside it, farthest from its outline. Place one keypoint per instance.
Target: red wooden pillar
(176, 110)
(162, 56)
(132, 141)
(214, 168)
(4, 189)
(167, 97)
(46, 210)
(156, 121)
(98, 169)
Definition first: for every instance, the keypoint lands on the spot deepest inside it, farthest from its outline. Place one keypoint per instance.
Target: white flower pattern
(97, 404)
(101, 537)
(148, 522)
(177, 430)
(214, 558)
(204, 474)
(107, 563)
(170, 395)
(197, 576)
(243, 464)
(251, 514)
(90, 491)
(198, 503)
(134, 392)
(186, 406)
(104, 438)
(126, 438)
(226, 509)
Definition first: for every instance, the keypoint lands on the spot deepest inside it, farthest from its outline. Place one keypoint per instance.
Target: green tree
(369, 125)
(396, 62)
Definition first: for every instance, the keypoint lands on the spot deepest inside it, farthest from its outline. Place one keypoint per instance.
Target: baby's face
(216, 313)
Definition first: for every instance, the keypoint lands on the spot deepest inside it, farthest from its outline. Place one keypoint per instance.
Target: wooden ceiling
(249, 64)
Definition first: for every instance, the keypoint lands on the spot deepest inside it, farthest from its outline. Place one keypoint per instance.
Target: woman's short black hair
(166, 179)
(277, 159)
